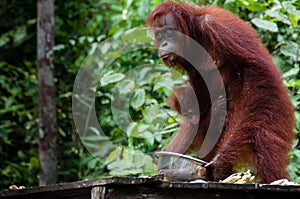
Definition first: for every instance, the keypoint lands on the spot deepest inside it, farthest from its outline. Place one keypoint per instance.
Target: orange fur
(259, 126)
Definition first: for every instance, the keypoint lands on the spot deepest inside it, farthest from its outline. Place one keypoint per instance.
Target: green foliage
(80, 26)
(18, 94)
(148, 94)
(124, 162)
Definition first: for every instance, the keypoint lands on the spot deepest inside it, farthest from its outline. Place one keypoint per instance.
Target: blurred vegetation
(80, 25)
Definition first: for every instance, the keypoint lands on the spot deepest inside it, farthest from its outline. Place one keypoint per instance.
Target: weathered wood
(96, 192)
(153, 187)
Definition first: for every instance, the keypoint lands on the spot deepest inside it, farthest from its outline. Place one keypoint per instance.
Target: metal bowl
(179, 167)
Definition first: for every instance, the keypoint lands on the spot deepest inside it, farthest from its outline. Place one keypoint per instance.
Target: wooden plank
(126, 191)
(82, 188)
(96, 192)
(152, 187)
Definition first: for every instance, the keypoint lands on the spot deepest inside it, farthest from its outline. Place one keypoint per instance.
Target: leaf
(139, 159)
(163, 81)
(92, 163)
(231, 6)
(34, 162)
(114, 155)
(107, 79)
(290, 49)
(96, 138)
(138, 98)
(143, 127)
(277, 16)
(176, 73)
(149, 141)
(121, 164)
(131, 128)
(125, 172)
(151, 112)
(288, 6)
(125, 86)
(292, 72)
(252, 5)
(113, 54)
(95, 130)
(19, 35)
(143, 134)
(13, 108)
(264, 24)
(93, 145)
(128, 4)
(136, 35)
(59, 47)
(297, 153)
(149, 167)
(128, 154)
(105, 47)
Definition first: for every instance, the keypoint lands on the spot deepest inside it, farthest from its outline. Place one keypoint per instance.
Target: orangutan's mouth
(167, 58)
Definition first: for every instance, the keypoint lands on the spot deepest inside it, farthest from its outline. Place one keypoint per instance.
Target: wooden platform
(153, 187)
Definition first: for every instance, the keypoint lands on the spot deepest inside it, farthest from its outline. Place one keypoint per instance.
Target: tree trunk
(47, 106)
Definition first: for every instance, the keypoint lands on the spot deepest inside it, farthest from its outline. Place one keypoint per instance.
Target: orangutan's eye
(158, 36)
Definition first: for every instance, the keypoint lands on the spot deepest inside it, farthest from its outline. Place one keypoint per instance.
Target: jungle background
(78, 26)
